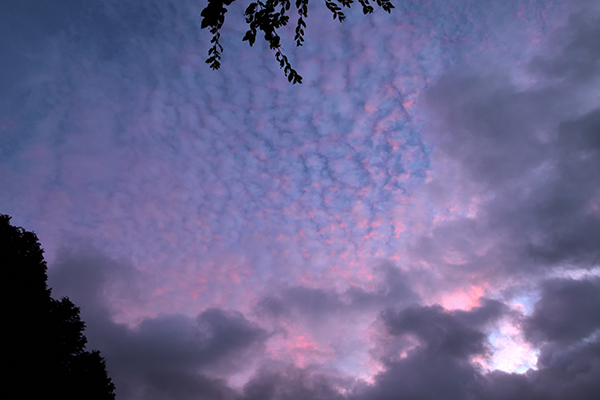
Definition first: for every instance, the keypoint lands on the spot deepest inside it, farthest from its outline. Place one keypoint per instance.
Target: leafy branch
(268, 17)
(214, 17)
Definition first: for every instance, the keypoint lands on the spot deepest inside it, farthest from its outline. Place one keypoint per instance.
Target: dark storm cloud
(169, 356)
(568, 205)
(392, 289)
(568, 311)
(529, 152)
(563, 373)
(569, 372)
(316, 303)
(579, 57)
(179, 357)
(441, 332)
(293, 383)
(566, 324)
(176, 356)
(440, 365)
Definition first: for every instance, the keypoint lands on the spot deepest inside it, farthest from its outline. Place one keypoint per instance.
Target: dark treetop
(43, 353)
(268, 17)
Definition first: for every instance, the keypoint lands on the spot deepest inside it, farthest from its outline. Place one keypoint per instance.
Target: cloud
(565, 325)
(391, 287)
(177, 356)
(568, 208)
(238, 223)
(567, 311)
(440, 364)
(440, 359)
(564, 372)
(294, 384)
(163, 356)
(577, 61)
(323, 326)
(514, 151)
(441, 332)
(433, 356)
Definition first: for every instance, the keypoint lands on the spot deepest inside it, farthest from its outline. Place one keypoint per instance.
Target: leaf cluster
(267, 17)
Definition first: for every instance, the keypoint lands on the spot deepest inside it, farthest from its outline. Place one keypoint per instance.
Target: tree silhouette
(268, 17)
(43, 351)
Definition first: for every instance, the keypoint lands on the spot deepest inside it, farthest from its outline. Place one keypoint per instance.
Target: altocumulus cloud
(361, 237)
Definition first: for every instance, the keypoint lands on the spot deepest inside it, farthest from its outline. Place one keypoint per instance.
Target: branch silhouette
(268, 17)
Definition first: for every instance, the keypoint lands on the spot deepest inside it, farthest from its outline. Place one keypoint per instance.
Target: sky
(420, 219)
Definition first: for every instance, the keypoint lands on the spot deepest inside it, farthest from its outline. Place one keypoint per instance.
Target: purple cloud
(418, 218)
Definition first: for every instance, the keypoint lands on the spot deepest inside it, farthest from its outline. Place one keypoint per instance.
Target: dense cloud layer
(162, 357)
(526, 158)
(419, 220)
(566, 313)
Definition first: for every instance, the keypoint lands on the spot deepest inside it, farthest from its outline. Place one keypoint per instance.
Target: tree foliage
(269, 16)
(43, 351)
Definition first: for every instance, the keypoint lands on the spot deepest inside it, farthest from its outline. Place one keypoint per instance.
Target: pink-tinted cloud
(437, 165)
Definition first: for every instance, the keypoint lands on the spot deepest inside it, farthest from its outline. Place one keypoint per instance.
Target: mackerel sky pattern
(435, 169)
